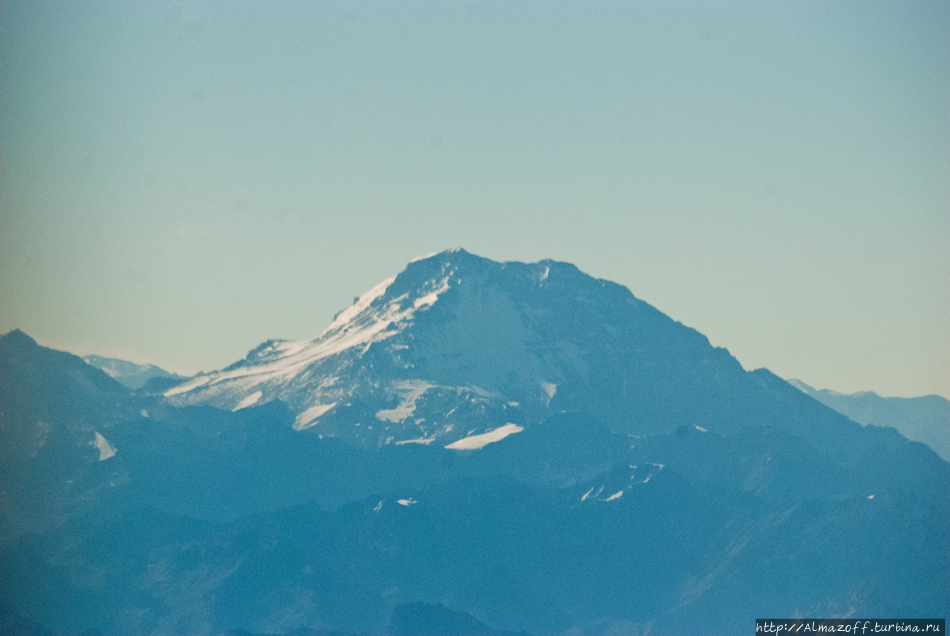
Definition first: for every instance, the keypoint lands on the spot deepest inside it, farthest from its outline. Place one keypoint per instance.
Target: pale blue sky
(181, 181)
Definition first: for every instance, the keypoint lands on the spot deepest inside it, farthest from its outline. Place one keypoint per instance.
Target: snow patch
(410, 392)
(587, 494)
(550, 389)
(248, 401)
(425, 301)
(430, 298)
(106, 450)
(406, 502)
(288, 347)
(308, 417)
(188, 386)
(616, 495)
(700, 428)
(478, 441)
(422, 440)
(362, 303)
(378, 506)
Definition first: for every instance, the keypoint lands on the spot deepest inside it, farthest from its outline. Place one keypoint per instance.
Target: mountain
(129, 374)
(74, 442)
(457, 345)
(499, 447)
(56, 415)
(922, 419)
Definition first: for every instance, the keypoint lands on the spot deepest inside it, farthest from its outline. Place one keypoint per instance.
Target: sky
(180, 181)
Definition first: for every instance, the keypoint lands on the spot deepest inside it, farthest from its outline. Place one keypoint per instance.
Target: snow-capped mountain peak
(480, 341)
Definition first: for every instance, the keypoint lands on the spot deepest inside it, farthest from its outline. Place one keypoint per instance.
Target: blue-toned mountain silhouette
(134, 376)
(922, 419)
(501, 446)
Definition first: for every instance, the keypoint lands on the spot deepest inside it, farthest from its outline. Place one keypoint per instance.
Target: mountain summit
(456, 345)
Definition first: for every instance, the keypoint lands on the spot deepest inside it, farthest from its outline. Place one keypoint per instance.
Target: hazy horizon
(180, 182)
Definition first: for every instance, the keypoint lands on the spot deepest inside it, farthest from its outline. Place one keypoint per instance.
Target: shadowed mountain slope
(492, 446)
(921, 419)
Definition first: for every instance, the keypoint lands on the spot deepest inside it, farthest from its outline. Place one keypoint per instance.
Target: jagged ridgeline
(492, 447)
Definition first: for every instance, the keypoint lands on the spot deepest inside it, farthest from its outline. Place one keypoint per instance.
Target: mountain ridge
(923, 419)
(473, 336)
(130, 374)
(616, 474)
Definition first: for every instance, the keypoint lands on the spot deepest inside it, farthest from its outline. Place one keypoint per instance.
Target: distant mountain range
(922, 419)
(472, 448)
(132, 375)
